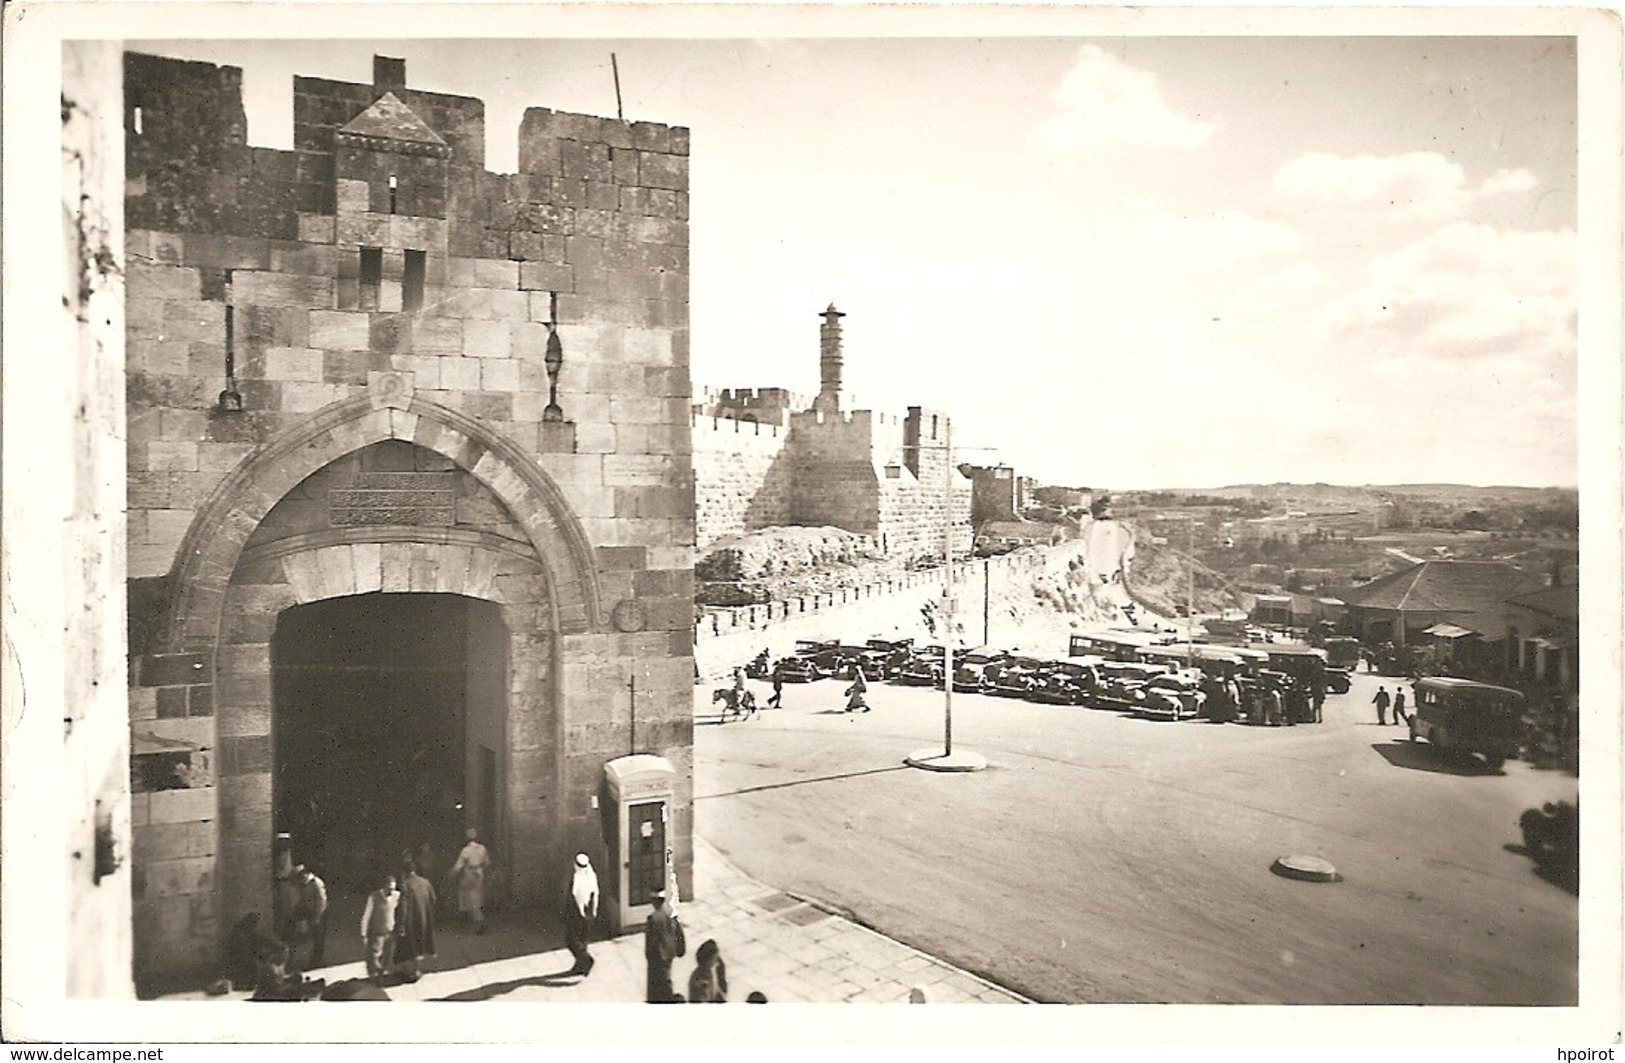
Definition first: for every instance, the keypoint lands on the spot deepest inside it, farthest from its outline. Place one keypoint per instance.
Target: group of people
(664, 943)
(397, 922)
(1264, 704)
(1383, 702)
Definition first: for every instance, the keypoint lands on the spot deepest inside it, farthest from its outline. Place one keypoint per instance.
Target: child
(378, 927)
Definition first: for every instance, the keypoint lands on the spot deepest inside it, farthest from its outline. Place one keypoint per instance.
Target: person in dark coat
(414, 918)
(855, 692)
(709, 982)
(1399, 707)
(662, 944)
(1381, 702)
(580, 912)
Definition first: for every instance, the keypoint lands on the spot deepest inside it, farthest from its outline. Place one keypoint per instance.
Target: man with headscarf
(469, 874)
(662, 944)
(580, 912)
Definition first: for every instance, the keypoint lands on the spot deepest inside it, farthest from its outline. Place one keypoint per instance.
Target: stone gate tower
(410, 490)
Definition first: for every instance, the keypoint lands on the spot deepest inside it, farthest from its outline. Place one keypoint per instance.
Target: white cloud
(1103, 100)
(1505, 181)
(1416, 186)
(1223, 239)
(1467, 291)
(1419, 184)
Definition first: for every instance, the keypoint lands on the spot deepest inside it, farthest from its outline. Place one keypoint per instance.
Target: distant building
(1543, 635)
(1402, 606)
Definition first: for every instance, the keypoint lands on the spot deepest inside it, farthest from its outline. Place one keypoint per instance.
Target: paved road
(1102, 858)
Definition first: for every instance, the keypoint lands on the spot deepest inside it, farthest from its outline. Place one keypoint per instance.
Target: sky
(1124, 262)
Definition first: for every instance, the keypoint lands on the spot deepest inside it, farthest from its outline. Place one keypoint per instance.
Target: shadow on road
(555, 980)
(1417, 756)
(802, 782)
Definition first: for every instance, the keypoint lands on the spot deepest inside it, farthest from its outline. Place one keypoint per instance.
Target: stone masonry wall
(742, 478)
(253, 252)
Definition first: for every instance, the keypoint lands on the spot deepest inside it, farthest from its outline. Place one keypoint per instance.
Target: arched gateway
(410, 491)
(543, 585)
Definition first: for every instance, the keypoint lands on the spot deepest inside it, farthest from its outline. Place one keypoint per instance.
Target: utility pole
(948, 592)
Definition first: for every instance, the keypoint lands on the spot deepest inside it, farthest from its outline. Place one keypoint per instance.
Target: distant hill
(1323, 494)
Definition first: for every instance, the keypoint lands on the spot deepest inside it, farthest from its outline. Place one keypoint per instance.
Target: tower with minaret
(829, 362)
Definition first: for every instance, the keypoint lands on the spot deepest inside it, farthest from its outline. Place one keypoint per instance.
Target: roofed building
(1402, 606)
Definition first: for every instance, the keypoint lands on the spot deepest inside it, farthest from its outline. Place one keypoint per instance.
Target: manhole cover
(1305, 869)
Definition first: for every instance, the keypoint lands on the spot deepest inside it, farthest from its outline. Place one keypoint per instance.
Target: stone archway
(209, 553)
(214, 658)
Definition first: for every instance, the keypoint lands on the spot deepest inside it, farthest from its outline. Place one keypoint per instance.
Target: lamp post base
(934, 759)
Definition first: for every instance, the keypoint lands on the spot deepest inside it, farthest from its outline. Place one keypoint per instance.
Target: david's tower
(829, 362)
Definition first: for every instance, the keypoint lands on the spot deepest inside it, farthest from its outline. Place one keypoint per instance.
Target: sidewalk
(788, 949)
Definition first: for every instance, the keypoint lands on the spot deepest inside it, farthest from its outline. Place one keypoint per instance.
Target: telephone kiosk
(641, 788)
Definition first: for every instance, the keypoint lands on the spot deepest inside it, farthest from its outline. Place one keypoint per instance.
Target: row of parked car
(1152, 689)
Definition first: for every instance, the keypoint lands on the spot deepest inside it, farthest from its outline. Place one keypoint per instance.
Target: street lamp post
(929, 759)
(948, 592)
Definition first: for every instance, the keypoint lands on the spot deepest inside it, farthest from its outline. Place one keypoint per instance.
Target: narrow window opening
(412, 281)
(392, 190)
(372, 276)
(135, 120)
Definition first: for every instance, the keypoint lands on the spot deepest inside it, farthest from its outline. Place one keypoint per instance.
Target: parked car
(1338, 680)
(1341, 651)
(1011, 677)
(795, 670)
(1067, 682)
(1119, 680)
(1465, 718)
(921, 671)
(1175, 695)
(890, 655)
(971, 666)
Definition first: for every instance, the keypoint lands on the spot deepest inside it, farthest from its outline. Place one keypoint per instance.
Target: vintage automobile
(1066, 682)
(922, 669)
(971, 668)
(889, 655)
(1011, 677)
(1464, 718)
(1118, 682)
(1341, 651)
(795, 670)
(1302, 664)
(839, 661)
(1172, 695)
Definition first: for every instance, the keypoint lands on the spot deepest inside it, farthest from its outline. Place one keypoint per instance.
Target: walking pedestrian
(378, 927)
(1318, 698)
(855, 692)
(1399, 707)
(709, 982)
(662, 944)
(469, 873)
(580, 912)
(777, 700)
(309, 917)
(1381, 702)
(414, 918)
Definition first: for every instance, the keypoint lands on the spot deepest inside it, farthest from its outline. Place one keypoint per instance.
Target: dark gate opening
(382, 706)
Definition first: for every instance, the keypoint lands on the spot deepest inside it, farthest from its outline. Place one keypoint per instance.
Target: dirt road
(1111, 859)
